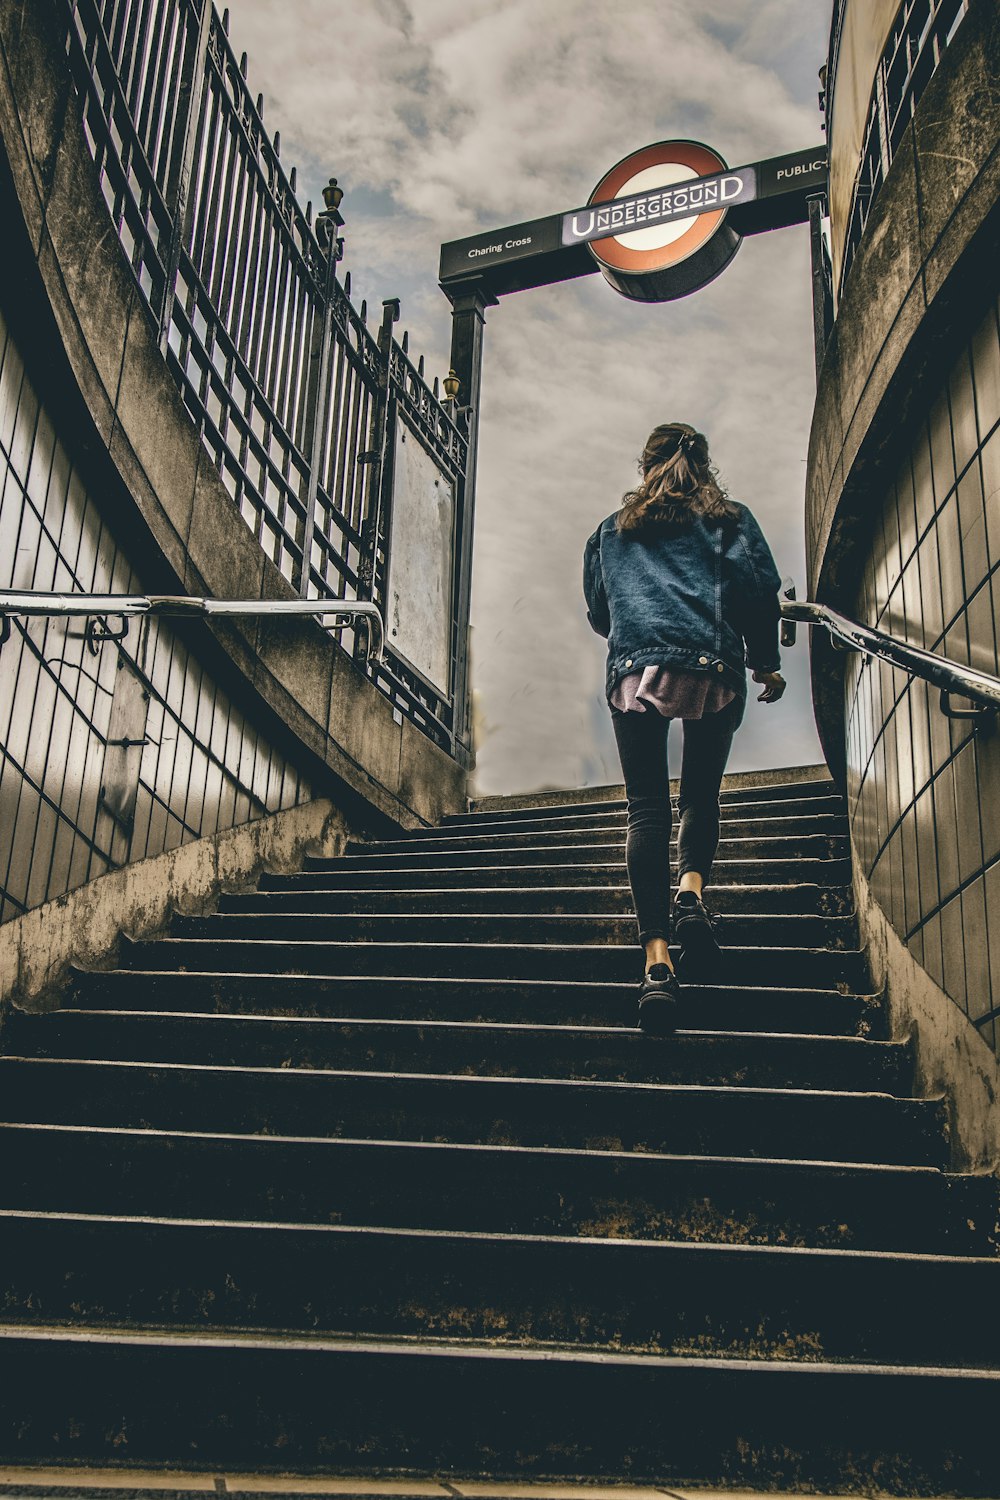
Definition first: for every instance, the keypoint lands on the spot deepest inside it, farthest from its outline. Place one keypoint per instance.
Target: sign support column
(469, 301)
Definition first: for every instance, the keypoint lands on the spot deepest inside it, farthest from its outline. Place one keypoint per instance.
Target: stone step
(496, 1189)
(380, 873)
(600, 812)
(813, 968)
(517, 805)
(607, 830)
(573, 929)
(739, 1301)
(255, 1403)
(750, 1060)
(607, 900)
(499, 1001)
(589, 849)
(681, 1119)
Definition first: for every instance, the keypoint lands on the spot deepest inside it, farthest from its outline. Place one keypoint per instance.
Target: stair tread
(811, 1165)
(482, 1350)
(546, 1030)
(168, 941)
(598, 985)
(709, 1249)
(633, 1090)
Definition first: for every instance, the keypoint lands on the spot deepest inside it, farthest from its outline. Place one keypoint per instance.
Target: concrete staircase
(370, 1174)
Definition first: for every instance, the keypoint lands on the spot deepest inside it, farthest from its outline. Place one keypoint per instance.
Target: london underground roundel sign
(672, 233)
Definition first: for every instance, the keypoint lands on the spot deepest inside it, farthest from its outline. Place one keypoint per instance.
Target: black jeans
(642, 749)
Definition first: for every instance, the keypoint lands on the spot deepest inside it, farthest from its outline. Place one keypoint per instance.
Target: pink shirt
(675, 695)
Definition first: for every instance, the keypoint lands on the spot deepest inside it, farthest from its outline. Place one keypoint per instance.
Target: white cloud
(468, 114)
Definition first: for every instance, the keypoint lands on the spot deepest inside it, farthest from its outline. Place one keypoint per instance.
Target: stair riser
(617, 1056)
(437, 1412)
(584, 851)
(519, 807)
(734, 931)
(607, 812)
(608, 831)
(496, 1190)
(794, 900)
(771, 967)
(499, 1001)
(681, 1121)
(655, 1298)
(378, 874)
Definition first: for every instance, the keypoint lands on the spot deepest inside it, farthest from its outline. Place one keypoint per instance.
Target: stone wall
(124, 421)
(903, 532)
(221, 740)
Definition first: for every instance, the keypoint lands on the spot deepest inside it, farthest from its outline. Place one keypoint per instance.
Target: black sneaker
(694, 927)
(658, 996)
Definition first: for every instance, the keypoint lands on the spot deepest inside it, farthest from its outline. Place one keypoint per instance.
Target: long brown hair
(678, 482)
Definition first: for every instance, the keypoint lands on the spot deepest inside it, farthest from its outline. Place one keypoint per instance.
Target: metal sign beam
(764, 195)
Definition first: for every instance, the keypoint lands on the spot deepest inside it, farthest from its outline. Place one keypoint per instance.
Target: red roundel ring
(661, 262)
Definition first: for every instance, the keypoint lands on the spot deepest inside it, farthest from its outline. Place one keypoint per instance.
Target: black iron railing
(32, 604)
(294, 396)
(917, 40)
(952, 678)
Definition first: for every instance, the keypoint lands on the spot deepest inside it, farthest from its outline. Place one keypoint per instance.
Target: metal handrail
(32, 602)
(950, 676)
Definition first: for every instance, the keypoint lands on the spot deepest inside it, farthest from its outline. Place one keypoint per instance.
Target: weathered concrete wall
(92, 332)
(901, 528)
(951, 1058)
(932, 238)
(83, 927)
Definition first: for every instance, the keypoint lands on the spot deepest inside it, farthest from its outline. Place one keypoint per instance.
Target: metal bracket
(789, 628)
(980, 716)
(4, 630)
(97, 631)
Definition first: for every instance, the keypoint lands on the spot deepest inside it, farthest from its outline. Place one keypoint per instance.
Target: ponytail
(678, 483)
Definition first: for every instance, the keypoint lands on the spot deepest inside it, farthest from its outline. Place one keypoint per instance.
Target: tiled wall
(109, 752)
(924, 791)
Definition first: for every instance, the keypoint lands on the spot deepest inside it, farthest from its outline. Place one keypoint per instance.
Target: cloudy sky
(442, 118)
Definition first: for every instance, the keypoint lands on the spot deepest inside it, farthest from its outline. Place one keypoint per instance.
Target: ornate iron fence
(294, 396)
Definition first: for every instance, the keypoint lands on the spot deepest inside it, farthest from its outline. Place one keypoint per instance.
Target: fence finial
(244, 64)
(225, 20)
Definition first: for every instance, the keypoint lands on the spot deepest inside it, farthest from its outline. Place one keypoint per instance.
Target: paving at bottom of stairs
(92, 1484)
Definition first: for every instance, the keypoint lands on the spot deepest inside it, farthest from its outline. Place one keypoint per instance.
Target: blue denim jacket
(698, 598)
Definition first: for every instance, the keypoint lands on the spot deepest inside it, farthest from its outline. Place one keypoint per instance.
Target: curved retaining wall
(903, 531)
(114, 755)
(92, 334)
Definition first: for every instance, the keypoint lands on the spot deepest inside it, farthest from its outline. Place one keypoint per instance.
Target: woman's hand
(774, 686)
